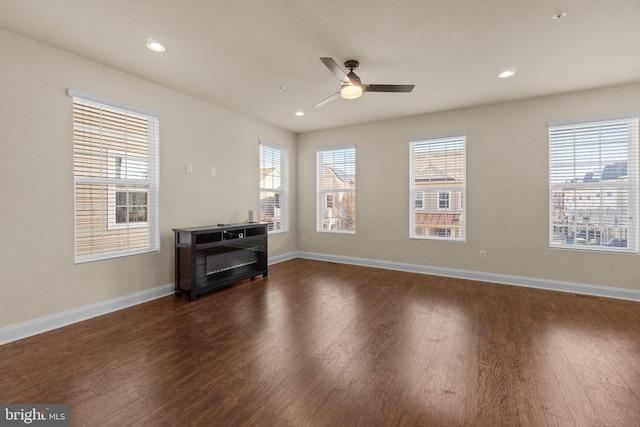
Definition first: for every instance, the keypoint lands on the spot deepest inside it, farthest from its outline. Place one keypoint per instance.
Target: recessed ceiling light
(299, 113)
(507, 73)
(155, 46)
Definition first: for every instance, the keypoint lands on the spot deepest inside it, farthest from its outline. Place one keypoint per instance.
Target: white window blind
(274, 187)
(593, 185)
(336, 190)
(438, 182)
(116, 181)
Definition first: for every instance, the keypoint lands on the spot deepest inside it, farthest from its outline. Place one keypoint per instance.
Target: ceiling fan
(351, 86)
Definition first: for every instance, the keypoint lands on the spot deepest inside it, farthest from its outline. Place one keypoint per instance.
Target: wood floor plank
(326, 344)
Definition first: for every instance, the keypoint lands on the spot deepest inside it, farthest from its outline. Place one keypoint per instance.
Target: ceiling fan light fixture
(350, 91)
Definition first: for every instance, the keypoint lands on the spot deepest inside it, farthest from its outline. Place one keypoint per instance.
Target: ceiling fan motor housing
(351, 64)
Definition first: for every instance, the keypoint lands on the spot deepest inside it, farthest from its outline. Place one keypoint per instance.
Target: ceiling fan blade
(326, 100)
(353, 78)
(387, 88)
(335, 69)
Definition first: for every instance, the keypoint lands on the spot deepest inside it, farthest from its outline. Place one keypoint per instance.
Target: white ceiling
(236, 54)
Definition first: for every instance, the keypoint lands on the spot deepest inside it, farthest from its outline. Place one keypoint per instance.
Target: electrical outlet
(304, 239)
(483, 254)
(189, 168)
(212, 170)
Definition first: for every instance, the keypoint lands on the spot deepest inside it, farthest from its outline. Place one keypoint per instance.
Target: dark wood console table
(212, 257)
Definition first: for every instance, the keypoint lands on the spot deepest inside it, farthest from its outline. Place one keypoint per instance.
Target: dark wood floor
(322, 344)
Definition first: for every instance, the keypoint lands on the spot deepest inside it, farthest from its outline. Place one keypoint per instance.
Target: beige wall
(507, 190)
(38, 276)
(507, 195)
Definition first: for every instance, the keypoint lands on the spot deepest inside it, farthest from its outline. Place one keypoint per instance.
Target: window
(328, 201)
(116, 181)
(274, 183)
(336, 184)
(443, 200)
(437, 180)
(593, 185)
(419, 200)
(443, 232)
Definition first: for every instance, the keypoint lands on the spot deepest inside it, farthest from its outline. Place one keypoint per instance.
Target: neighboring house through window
(437, 187)
(336, 186)
(593, 185)
(128, 205)
(274, 183)
(116, 180)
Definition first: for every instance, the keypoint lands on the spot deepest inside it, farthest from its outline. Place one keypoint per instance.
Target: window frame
(282, 191)
(348, 191)
(105, 185)
(433, 190)
(591, 190)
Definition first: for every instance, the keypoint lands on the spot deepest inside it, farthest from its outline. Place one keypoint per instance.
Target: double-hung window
(336, 189)
(437, 188)
(593, 185)
(116, 181)
(274, 187)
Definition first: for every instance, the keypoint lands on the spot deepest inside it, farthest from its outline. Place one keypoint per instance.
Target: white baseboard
(58, 320)
(65, 318)
(529, 282)
(282, 258)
